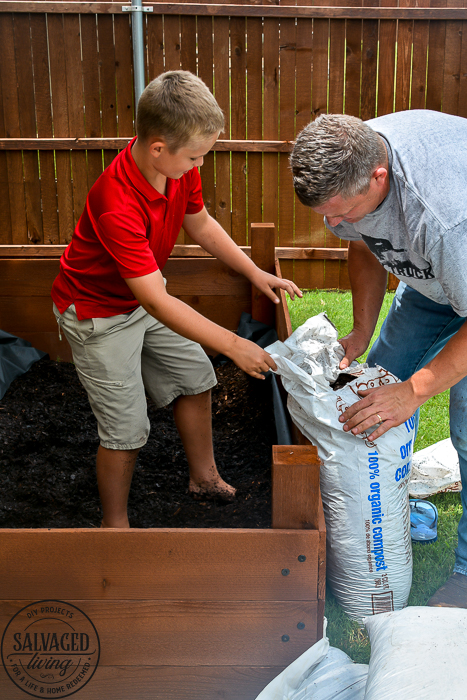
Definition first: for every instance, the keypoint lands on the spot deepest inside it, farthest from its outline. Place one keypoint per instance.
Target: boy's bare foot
(214, 487)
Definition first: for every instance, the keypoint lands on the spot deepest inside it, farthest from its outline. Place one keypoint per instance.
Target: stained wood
(387, 63)
(369, 64)
(283, 323)
(286, 129)
(205, 72)
(61, 126)
(161, 682)
(303, 62)
(222, 95)
(254, 59)
(452, 64)
(435, 67)
(14, 166)
(295, 480)
(72, 143)
(188, 633)
(158, 564)
(27, 124)
(238, 10)
(48, 188)
(195, 251)
(271, 117)
(238, 128)
(419, 61)
(404, 61)
(262, 253)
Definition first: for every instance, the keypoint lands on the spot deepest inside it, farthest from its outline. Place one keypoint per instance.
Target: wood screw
(301, 625)
(285, 637)
(301, 557)
(285, 572)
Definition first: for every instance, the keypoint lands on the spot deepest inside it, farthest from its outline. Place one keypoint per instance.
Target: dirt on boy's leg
(114, 473)
(192, 416)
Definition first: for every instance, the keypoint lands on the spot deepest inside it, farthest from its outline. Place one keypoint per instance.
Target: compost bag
(364, 484)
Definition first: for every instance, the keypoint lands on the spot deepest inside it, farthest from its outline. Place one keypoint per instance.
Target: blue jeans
(414, 332)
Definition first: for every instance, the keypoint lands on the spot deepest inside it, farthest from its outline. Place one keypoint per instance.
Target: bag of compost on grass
(364, 484)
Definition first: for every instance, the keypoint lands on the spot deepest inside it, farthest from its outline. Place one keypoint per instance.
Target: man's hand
(387, 406)
(266, 284)
(354, 344)
(250, 357)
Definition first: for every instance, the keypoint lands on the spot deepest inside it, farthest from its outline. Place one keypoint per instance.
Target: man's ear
(381, 177)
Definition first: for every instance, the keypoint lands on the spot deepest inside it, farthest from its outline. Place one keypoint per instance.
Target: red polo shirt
(127, 229)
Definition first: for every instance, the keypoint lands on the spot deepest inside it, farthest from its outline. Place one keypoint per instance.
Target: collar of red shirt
(139, 181)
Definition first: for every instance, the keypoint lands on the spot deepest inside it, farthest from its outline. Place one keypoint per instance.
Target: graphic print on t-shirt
(395, 259)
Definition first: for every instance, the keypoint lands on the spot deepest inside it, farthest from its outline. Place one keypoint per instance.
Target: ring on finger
(379, 418)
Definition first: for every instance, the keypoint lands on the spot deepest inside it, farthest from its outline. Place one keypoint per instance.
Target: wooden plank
(452, 64)
(48, 188)
(21, 315)
(14, 166)
(271, 118)
(295, 486)
(123, 75)
(61, 126)
(286, 129)
(190, 633)
(160, 683)
(158, 564)
(387, 63)
(303, 62)
(254, 60)
(203, 276)
(5, 214)
(435, 68)
(155, 45)
(404, 61)
(262, 253)
(419, 61)
(27, 125)
(72, 143)
(238, 127)
(462, 109)
(172, 42)
(222, 95)
(75, 97)
(193, 251)
(89, 43)
(107, 83)
(205, 72)
(239, 10)
(283, 323)
(369, 65)
(353, 66)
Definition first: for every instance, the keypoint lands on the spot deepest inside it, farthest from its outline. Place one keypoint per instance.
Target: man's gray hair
(335, 155)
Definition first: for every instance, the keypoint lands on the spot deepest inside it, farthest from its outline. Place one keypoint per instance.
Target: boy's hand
(266, 283)
(250, 357)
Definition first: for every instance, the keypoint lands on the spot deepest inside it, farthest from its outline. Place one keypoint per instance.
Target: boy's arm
(150, 291)
(205, 231)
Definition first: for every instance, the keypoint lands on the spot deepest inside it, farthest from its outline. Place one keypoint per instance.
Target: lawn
(432, 563)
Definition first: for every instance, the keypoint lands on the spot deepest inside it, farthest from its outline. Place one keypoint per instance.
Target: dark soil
(48, 443)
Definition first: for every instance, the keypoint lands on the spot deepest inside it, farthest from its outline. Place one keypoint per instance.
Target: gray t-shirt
(419, 232)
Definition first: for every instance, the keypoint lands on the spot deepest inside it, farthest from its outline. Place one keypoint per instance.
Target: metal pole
(138, 47)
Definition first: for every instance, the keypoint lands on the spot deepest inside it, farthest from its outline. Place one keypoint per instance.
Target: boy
(126, 333)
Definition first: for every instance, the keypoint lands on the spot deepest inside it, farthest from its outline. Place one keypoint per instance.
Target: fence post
(263, 244)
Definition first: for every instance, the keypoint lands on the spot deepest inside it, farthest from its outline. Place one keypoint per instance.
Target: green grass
(432, 563)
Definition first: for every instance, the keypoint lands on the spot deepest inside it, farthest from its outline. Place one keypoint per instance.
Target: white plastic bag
(363, 483)
(320, 673)
(418, 654)
(435, 469)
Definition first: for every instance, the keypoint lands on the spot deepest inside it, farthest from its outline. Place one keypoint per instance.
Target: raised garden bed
(162, 612)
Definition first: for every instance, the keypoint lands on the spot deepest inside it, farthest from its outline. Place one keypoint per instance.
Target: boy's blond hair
(177, 107)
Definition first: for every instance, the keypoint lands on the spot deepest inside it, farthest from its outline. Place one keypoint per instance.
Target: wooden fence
(67, 105)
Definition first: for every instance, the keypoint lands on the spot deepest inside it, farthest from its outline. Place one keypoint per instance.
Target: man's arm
(368, 281)
(395, 403)
(205, 231)
(150, 291)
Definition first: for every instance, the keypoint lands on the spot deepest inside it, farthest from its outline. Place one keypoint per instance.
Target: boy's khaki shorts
(119, 357)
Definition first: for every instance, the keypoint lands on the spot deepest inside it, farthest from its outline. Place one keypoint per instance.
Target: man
(394, 188)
